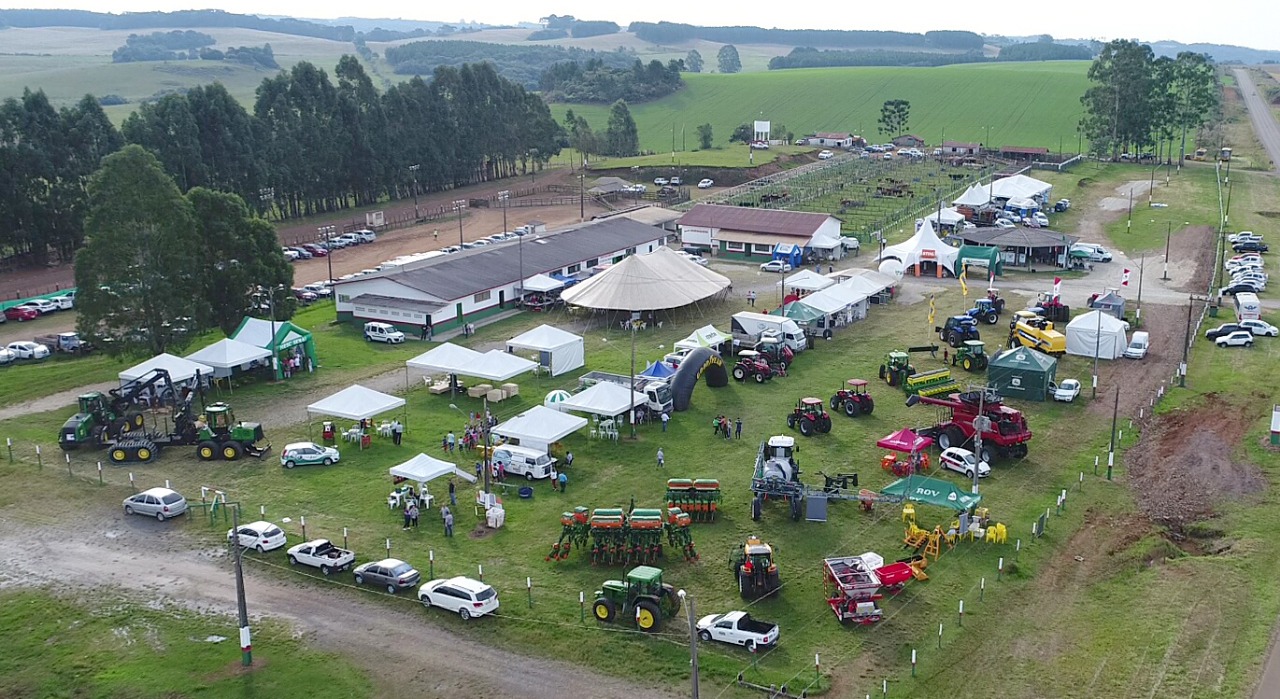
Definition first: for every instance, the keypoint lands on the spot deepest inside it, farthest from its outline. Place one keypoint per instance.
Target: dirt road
(1264, 127)
(398, 644)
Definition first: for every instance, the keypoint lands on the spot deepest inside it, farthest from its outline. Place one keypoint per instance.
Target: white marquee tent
(226, 355)
(806, 280)
(355, 403)
(540, 427)
(925, 245)
(558, 350)
(423, 468)
(180, 370)
(448, 357)
(1019, 186)
(604, 398)
(496, 365)
(1083, 335)
(976, 195)
(542, 283)
(946, 217)
(659, 280)
(706, 336)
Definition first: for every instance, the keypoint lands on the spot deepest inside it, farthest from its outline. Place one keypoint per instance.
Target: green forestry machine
(641, 597)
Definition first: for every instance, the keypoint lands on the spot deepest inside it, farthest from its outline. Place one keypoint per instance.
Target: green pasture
(1039, 104)
(59, 646)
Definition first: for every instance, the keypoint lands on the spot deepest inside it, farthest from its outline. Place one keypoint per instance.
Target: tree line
(311, 143)
(523, 64)
(161, 46)
(674, 33)
(593, 81)
(1138, 102)
(808, 57)
(563, 26)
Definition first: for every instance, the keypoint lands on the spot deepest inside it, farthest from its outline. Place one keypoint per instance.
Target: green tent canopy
(981, 256)
(798, 312)
(1022, 372)
(280, 337)
(932, 491)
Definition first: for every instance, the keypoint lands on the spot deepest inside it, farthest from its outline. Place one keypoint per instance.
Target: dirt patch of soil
(236, 669)
(1184, 465)
(1140, 380)
(1194, 247)
(1126, 195)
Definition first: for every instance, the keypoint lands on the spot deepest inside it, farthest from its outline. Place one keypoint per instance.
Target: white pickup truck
(739, 629)
(320, 553)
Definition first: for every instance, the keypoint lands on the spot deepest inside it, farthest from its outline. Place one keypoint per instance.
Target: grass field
(56, 646)
(1039, 103)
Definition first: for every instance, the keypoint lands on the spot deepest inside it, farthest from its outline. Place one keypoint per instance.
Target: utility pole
(1097, 349)
(488, 448)
(414, 169)
(503, 196)
(1168, 232)
(246, 642)
(978, 424)
(1186, 344)
(582, 196)
(632, 383)
(1142, 267)
(693, 642)
(1128, 225)
(1111, 454)
(327, 232)
(458, 206)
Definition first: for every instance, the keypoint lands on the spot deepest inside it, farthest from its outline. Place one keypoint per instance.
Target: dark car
(390, 573)
(1250, 246)
(315, 250)
(1224, 329)
(1238, 288)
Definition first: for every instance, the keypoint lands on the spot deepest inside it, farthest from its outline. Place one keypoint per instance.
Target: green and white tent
(1022, 372)
(279, 337)
(932, 491)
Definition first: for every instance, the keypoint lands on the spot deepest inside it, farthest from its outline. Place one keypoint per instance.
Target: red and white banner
(1057, 287)
(1124, 281)
(991, 282)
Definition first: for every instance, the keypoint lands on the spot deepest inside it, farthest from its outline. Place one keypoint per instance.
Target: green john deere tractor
(972, 355)
(96, 421)
(642, 597)
(218, 433)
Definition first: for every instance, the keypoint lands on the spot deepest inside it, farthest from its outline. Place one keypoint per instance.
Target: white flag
(1057, 287)
(1124, 281)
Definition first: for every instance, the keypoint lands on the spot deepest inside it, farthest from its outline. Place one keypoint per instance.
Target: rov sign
(927, 493)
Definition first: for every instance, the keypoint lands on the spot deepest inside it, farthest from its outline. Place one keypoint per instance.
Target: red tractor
(752, 363)
(809, 417)
(854, 399)
(1004, 430)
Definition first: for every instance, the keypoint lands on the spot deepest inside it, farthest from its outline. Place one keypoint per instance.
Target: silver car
(161, 503)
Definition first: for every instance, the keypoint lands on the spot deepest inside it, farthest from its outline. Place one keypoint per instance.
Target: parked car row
(1247, 274)
(15, 351)
(664, 181)
(35, 308)
(306, 251)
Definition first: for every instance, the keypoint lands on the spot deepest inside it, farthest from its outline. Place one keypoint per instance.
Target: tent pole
(632, 382)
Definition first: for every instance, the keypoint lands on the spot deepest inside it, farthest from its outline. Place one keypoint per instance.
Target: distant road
(1264, 122)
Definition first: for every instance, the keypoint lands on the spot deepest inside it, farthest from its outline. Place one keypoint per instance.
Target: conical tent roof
(905, 440)
(976, 195)
(658, 370)
(914, 250)
(659, 280)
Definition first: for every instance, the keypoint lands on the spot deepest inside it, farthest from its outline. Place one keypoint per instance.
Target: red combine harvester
(1004, 430)
(853, 584)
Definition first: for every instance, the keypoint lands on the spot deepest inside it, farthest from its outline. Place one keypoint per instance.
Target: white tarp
(807, 280)
(947, 217)
(824, 302)
(355, 403)
(542, 283)
(919, 248)
(1019, 186)
(659, 280)
(1083, 335)
(558, 350)
(604, 398)
(228, 354)
(976, 195)
(706, 336)
(1021, 203)
(540, 427)
(423, 468)
(179, 369)
(869, 280)
(496, 365)
(448, 357)
(822, 242)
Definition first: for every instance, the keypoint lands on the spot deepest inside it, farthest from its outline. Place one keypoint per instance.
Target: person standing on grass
(662, 461)
(453, 493)
(451, 440)
(413, 515)
(448, 524)
(737, 429)
(424, 332)
(665, 419)
(408, 517)
(568, 459)
(563, 480)
(397, 431)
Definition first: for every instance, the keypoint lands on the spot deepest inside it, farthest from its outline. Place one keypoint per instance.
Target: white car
(308, 453)
(706, 183)
(451, 249)
(1243, 237)
(775, 266)
(262, 536)
(465, 597)
(963, 461)
(28, 350)
(7, 356)
(1005, 223)
(346, 240)
(639, 189)
(1039, 219)
(320, 289)
(382, 332)
(661, 181)
(289, 254)
(365, 235)
(1239, 338)
(826, 155)
(694, 258)
(65, 301)
(42, 306)
(1259, 327)
(1066, 391)
(161, 503)
(675, 181)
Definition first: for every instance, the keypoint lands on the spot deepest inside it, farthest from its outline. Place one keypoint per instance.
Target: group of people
(294, 362)
(411, 511)
(472, 433)
(731, 430)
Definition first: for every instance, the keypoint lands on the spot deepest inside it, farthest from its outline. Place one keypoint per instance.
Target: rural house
(832, 140)
(739, 232)
(960, 148)
(908, 141)
(1023, 153)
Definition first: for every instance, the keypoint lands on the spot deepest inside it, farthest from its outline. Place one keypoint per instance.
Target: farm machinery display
(988, 309)
(853, 399)
(618, 538)
(102, 418)
(641, 597)
(754, 568)
(957, 329)
(1004, 430)
(897, 366)
(699, 497)
(1038, 333)
(809, 417)
(854, 585)
(754, 365)
(777, 477)
(1051, 307)
(913, 448)
(972, 356)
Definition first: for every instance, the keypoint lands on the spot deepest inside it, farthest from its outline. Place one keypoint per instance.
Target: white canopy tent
(226, 355)
(542, 283)
(945, 217)
(825, 302)
(924, 246)
(706, 336)
(806, 280)
(822, 242)
(496, 365)
(976, 195)
(539, 427)
(355, 403)
(1096, 330)
(1020, 186)
(448, 357)
(180, 370)
(558, 350)
(1022, 203)
(659, 280)
(604, 398)
(422, 468)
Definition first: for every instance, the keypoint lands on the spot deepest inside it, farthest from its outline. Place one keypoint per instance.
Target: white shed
(558, 350)
(1099, 331)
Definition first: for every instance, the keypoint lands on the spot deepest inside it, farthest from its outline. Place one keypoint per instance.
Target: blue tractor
(958, 330)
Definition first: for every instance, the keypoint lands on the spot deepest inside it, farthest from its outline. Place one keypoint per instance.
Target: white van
(1247, 306)
(1097, 253)
(522, 461)
(382, 332)
(747, 328)
(1138, 345)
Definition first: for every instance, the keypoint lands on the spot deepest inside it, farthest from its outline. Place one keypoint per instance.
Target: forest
(671, 32)
(522, 64)
(808, 57)
(593, 82)
(311, 143)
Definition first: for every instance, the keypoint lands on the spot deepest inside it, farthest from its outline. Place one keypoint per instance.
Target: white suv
(382, 332)
(464, 596)
(365, 235)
